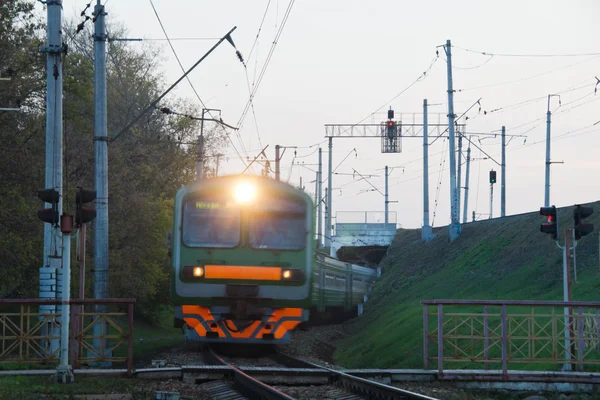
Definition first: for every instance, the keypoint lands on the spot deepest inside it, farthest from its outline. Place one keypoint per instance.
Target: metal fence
(28, 336)
(501, 334)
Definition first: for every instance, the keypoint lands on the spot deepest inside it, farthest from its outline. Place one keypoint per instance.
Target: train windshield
(210, 223)
(279, 224)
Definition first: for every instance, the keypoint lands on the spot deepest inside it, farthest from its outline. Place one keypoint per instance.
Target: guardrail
(29, 336)
(498, 333)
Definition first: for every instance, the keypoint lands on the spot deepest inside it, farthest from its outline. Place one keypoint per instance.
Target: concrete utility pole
(466, 201)
(53, 177)
(386, 195)
(329, 198)
(426, 229)
(277, 159)
(454, 228)
(567, 296)
(491, 199)
(548, 162)
(503, 177)
(319, 201)
(459, 173)
(64, 372)
(101, 171)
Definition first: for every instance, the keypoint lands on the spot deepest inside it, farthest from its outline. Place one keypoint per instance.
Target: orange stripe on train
(204, 314)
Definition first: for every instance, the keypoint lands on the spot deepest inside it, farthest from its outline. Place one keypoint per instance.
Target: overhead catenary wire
(489, 53)
(528, 77)
(176, 56)
(266, 64)
(421, 77)
(439, 184)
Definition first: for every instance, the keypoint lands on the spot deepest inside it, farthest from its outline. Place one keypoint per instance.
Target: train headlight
(193, 271)
(292, 275)
(244, 193)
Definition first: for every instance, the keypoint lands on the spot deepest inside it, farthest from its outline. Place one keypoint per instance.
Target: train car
(339, 289)
(244, 263)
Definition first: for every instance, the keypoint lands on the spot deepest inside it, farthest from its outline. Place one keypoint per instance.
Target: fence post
(486, 338)
(440, 340)
(425, 335)
(130, 338)
(504, 341)
(580, 341)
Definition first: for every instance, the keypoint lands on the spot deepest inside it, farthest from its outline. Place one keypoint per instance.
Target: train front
(242, 260)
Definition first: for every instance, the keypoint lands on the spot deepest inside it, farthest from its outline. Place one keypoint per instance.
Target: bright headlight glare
(244, 192)
(198, 272)
(287, 274)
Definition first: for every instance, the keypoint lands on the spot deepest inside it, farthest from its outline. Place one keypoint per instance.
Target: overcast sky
(337, 62)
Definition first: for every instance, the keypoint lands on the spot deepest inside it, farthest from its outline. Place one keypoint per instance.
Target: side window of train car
(358, 285)
(279, 224)
(210, 223)
(329, 280)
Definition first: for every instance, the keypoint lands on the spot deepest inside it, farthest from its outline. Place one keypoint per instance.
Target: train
(245, 267)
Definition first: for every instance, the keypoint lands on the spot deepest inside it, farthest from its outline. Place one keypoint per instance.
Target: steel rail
(355, 384)
(249, 385)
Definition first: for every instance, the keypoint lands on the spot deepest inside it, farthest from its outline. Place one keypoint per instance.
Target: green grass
(31, 387)
(507, 258)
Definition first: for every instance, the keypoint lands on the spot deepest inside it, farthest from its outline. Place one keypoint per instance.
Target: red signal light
(390, 123)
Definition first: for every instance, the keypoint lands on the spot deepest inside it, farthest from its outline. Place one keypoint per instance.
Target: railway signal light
(391, 129)
(49, 215)
(551, 226)
(581, 227)
(84, 215)
(492, 176)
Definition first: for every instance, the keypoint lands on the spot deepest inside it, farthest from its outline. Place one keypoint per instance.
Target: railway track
(293, 377)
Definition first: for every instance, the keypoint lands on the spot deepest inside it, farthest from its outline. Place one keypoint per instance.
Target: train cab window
(210, 223)
(280, 224)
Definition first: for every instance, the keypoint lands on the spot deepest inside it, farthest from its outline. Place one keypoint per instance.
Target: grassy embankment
(504, 258)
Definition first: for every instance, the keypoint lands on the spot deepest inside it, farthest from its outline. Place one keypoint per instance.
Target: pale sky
(339, 61)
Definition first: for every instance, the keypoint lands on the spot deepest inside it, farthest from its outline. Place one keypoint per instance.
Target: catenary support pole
(65, 373)
(386, 196)
(491, 200)
(101, 170)
(459, 173)
(503, 177)
(81, 255)
(54, 156)
(317, 203)
(277, 159)
(329, 198)
(320, 201)
(200, 150)
(566, 251)
(467, 172)
(426, 229)
(454, 223)
(547, 180)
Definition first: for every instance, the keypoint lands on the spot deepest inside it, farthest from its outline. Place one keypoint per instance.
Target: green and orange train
(244, 265)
